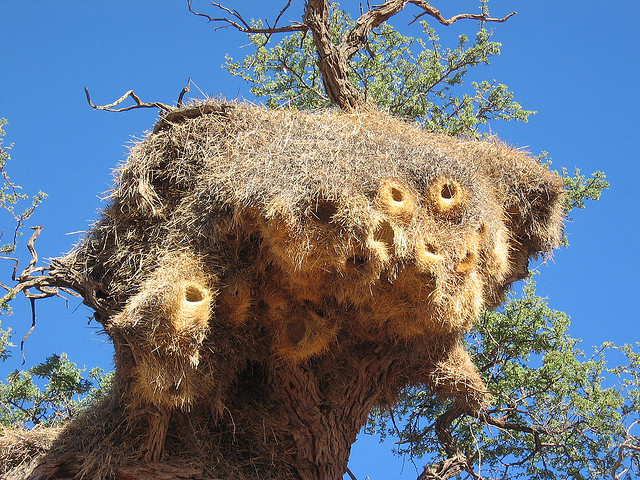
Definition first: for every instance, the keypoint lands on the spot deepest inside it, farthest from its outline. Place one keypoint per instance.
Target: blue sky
(575, 62)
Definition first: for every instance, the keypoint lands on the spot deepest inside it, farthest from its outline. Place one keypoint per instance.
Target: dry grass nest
(241, 240)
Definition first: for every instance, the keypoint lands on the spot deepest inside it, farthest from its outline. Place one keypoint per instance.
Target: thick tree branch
(332, 59)
(457, 461)
(632, 443)
(447, 468)
(356, 38)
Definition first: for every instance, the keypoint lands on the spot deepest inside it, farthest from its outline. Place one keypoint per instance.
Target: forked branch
(357, 37)
(42, 282)
(130, 93)
(630, 447)
(435, 13)
(166, 109)
(238, 22)
(458, 461)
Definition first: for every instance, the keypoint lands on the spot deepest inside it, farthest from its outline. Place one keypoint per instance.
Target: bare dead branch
(7, 288)
(242, 25)
(15, 269)
(186, 89)
(50, 280)
(356, 38)
(33, 326)
(25, 279)
(435, 13)
(130, 93)
(30, 246)
(284, 9)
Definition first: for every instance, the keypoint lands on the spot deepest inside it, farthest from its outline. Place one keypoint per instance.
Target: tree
(422, 86)
(464, 118)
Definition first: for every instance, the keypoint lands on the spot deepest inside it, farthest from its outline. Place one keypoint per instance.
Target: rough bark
(333, 61)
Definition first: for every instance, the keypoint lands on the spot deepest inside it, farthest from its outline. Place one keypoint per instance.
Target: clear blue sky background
(576, 62)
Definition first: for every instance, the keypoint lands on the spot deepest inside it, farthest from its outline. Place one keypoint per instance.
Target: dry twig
(49, 281)
(130, 93)
(244, 26)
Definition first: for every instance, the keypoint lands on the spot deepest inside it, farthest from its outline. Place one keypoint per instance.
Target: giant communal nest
(243, 246)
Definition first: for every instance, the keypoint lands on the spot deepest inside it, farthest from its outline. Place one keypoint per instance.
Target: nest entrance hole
(296, 331)
(357, 261)
(384, 233)
(324, 210)
(447, 194)
(396, 199)
(430, 249)
(448, 191)
(397, 195)
(468, 262)
(194, 293)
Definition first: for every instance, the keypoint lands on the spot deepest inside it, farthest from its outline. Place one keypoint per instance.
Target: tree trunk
(333, 61)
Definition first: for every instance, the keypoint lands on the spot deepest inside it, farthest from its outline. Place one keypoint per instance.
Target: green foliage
(66, 392)
(405, 76)
(11, 197)
(5, 344)
(581, 188)
(566, 413)
(12, 202)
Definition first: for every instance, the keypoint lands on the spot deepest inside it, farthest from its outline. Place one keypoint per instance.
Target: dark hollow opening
(296, 331)
(430, 248)
(384, 233)
(448, 191)
(397, 195)
(324, 210)
(357, 261)
(193, 294)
